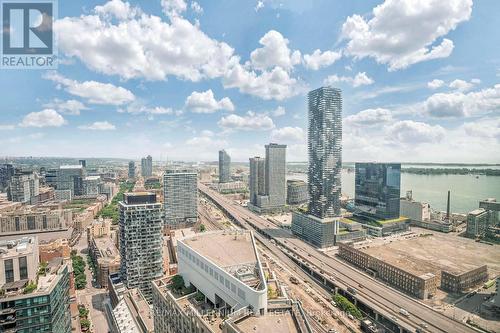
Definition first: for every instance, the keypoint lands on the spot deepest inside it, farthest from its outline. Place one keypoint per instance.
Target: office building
(414, 210)
(257, 179)
(91, 185)
(420, 286)
(146, 166)
(83, 163)
(268, 180)
(458, 282)
(296, 192)
(131, 170)
(324, 144)
(276, 174)
(222, 274)
(224, 167)
(6, 171)
(27, 306)
(140, 227)
(378, 190)
(70, 177)
(23, 186)
(478, 222)
(30, 219)
(106, 258)
(180, 197)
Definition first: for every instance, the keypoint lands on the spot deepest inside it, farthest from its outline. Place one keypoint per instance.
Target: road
(93, 298)
(378, 296)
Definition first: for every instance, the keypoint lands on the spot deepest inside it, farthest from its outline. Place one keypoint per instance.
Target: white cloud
(319, 59)
(173, 8)
(359, 80)
(369, 117)
(117, 8)
(401, 33)
(252, 121)
(205, 102)
(485, 128)
(4, 127)
(275, 84)
(138, 107)
(279, 111)
(408, 131)
(94, 92)
(275, 52)
(434, 84)
(459, 104)
(288, 134)
(44, 118)
(462, 85)
(99, 126)
(137, 45)
(259, 5)
(195, 6)
(206, 142)
(70, 107)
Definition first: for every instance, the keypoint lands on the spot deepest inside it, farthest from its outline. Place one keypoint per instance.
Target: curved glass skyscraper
(324, 138)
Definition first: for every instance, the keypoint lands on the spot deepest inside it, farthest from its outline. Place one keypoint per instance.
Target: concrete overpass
(375, 299)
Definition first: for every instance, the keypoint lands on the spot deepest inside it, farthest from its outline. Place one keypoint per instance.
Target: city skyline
(426, 99)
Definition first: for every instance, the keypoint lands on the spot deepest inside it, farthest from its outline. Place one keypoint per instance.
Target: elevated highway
(377, 300)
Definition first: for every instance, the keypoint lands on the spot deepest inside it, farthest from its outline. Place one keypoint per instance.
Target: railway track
(349, 276)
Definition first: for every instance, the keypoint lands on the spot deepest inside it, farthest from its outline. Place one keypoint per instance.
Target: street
(93, 298)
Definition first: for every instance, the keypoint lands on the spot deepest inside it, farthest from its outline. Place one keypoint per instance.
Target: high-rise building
(83, 163)
(23, 186)
(320, 226)
(140, 241)
(131, 170)
(32, 302)
(378, 190)
(296, 192)
(268, 179)
(257, 179)
(224, 167)
(276, 174)
(324, 143)
(180, 196)
(147, 166)
(6, 171)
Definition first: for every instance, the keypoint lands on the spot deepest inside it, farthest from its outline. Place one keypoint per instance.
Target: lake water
(466, 190)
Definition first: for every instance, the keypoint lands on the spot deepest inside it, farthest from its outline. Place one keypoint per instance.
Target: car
(350, 316)
(404, 312)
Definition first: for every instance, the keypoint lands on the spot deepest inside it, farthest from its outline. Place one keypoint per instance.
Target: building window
(9, 270)
(23, 268)
(31, 222)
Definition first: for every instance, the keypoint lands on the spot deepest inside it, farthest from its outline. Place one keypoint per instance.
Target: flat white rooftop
(224, 249)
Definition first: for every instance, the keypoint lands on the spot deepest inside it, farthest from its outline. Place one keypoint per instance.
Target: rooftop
(232, 251)
(107, 249)
(17, 247)
(276, 322)
(73, 166)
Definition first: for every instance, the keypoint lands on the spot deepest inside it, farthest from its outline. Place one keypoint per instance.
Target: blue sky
(182, 79)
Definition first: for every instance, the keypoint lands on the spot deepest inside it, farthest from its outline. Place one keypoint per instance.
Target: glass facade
(378, 190)
(324, 139)
(39, 313)
(224, 167)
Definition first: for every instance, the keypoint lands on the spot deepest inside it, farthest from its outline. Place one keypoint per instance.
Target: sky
(181, 79)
